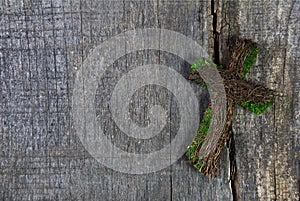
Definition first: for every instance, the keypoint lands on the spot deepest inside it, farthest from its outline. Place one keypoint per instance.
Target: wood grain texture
(267, 146)
(43, 45)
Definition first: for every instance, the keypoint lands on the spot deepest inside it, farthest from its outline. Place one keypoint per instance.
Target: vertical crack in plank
(233, 169)
(218, 58)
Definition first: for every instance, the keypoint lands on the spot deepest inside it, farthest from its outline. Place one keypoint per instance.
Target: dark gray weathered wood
(43, 45)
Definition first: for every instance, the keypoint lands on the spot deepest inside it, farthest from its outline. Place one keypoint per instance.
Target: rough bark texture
(43, 44)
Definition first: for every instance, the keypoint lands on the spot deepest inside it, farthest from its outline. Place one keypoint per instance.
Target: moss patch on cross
(250, 96)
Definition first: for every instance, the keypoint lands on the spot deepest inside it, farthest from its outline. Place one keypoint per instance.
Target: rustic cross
(249, 95)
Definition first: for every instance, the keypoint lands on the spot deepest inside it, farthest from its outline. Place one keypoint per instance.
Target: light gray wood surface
(42, 47)
(43, 44)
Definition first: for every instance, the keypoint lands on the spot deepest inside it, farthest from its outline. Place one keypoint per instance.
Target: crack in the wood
(216, 52)
(233, 169)
(217, 60)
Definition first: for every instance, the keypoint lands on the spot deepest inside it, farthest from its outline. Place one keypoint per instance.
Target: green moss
(250, 60)
(201, 62)
(199, 165)
(256, 108)
(203, 84)
(192, 152)
(194, 66)
(220, 67)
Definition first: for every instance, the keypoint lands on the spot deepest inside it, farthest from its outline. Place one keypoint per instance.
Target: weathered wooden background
(267, 146)
(43, 44)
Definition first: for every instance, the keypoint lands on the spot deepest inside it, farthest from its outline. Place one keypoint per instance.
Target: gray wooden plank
(267, 146)
(43, 44)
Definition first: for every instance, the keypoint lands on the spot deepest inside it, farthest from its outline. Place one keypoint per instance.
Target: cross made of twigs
(249, 95)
